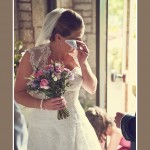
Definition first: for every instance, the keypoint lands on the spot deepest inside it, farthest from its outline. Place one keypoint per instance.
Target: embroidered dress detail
(46, 132)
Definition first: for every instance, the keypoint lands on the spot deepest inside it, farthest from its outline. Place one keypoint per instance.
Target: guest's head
(100, 121)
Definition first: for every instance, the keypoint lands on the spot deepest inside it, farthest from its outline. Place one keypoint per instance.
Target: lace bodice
(46, 131)
(39, 58)
(39, 55)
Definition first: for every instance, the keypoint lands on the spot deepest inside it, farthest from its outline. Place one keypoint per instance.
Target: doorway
(116, 55)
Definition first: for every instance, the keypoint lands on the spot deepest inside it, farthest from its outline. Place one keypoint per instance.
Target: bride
(46, 132)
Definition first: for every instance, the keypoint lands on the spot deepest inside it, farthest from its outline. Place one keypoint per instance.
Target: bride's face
(75, 35)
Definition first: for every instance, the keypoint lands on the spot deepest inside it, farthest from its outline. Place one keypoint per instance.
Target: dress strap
(39, 55)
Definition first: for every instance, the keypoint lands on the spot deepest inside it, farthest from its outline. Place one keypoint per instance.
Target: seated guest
(127, 123)
(104, 126)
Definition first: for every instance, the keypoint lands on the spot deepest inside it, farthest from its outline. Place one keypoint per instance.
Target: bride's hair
(68, 22)
(59, 21)
(99, 120)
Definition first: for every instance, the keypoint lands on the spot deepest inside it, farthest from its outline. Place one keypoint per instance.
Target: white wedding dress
(46, 132)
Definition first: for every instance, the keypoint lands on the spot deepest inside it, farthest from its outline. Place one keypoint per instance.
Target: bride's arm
(89, 79)
(20, 93)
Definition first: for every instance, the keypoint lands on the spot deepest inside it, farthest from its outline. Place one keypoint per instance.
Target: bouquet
(52, 80)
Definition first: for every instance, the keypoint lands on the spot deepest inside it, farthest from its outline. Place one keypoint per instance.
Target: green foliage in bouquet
(18, 49)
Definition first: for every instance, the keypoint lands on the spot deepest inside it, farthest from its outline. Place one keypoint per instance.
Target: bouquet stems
(62, 114)
(52, 80)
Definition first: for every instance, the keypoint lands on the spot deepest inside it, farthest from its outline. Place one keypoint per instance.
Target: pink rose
(49, 67)
(39, 73)
(43, 84)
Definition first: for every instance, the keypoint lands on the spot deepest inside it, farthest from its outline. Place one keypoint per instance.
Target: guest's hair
(99, 120)
(68, 22)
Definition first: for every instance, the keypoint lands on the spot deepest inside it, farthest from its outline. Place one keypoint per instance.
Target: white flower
(55, 78)
(53, 75)
(45, 87)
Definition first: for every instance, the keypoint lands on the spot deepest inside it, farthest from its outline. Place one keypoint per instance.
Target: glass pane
(121, 56)
(114, 55)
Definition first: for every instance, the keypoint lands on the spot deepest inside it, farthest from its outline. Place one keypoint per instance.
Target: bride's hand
(57, 103)
(83, 52)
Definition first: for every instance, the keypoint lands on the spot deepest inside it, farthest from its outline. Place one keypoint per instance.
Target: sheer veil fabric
(48, 26)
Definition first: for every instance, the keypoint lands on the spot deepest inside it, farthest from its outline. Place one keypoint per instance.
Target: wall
(24, 30)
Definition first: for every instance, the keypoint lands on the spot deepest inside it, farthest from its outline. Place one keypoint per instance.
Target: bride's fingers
(58, 107)
(85, 48)
(80, 42)
(58, 104)
(61, 108)
(84, 53)
(61, 102)
(57, 100)
(64, 102)
(82, 47)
